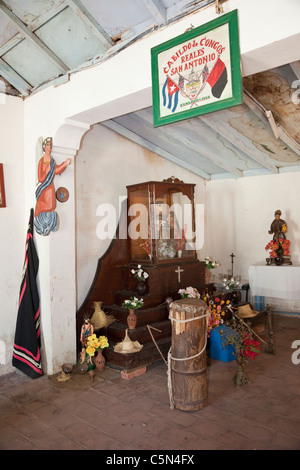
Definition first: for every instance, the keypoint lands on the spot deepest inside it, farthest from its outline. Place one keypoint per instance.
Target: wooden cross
(232, 256)
(178, 271)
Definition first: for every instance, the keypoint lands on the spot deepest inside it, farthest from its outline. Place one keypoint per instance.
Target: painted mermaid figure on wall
(45, 214)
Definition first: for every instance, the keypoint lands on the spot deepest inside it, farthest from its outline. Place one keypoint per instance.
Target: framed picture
(2, 189)
(197, 72)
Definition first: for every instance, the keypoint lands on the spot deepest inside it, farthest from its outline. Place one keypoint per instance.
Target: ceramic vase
(207, 275)
(236, 297)
(278, 261)
(179, 253)
(141, 288)
(99, 361)
(131, 319)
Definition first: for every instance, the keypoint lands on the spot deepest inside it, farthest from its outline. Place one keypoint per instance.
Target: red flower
(252, 348)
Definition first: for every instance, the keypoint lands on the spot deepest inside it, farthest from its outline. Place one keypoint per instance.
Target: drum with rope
(187, 365)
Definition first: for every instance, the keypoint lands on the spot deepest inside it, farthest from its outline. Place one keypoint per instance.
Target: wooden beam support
(179, 135)
(29, 35)
(267, 117)
(243, 144)
(14, 78)
(157, 10)
(123, 131)
(91, 23)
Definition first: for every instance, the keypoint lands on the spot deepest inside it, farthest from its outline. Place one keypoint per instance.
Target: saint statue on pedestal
(278, 227)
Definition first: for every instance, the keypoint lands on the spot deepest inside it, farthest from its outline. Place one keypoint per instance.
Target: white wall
(105, 165)
(13, 221)
(239, 213)
(269, 34)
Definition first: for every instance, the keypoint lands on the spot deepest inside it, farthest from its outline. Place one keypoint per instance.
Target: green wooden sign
(197, 72)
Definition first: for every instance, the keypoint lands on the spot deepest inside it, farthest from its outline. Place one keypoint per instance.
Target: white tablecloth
(281, 282)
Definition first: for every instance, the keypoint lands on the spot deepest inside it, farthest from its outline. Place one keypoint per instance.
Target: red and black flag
(218, 78)
(26, 352)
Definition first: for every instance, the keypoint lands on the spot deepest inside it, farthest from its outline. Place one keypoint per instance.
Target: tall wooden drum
(188, 387)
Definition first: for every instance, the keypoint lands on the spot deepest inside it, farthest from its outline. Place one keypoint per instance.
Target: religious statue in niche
(46, 219)
(279, 246)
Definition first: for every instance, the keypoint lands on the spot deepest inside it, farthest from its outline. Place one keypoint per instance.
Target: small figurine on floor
(87, 330)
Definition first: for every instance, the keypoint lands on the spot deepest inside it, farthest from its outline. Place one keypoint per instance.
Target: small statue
(278, 227)
(87, 330)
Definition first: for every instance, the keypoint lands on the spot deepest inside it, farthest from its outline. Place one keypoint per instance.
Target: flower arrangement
(218, 310)
(210, 264)
(166, 249)
(95, 344)
(251, 347)
(139, 273)
(146, 245)
(280, 248)
(230, 284)
(133, 303)
(189, 292)
(240, 336)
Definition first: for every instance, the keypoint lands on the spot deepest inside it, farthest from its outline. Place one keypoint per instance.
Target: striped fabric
(26, 351)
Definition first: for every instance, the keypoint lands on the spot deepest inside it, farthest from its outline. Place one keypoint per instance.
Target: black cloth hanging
(26, 351)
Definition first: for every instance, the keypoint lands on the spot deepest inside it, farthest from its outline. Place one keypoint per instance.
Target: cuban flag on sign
(170, 90)
(205, 73)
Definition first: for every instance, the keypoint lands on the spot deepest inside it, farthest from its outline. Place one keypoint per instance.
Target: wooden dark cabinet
(157, 215)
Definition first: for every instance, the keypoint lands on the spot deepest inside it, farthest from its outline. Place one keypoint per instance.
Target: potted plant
(278, 249)
(232, 285)
(96, 345)
(141, 276)
(132, 305)
(209, 265)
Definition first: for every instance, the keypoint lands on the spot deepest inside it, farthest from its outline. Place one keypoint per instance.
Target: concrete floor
(116, 414)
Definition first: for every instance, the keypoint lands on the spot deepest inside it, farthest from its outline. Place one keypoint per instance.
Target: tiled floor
(114, 413)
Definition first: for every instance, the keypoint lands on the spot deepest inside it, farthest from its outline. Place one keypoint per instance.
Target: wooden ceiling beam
(179, 136)
(14, 78)
(267, 116)
(157, 10)
(97, 30)
(241, 142)
(128, 134)
(29, 35)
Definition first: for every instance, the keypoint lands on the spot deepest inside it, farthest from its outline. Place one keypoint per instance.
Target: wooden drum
(188, 387)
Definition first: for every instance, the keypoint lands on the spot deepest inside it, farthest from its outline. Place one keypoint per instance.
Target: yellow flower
(90, 351)
(103, 343)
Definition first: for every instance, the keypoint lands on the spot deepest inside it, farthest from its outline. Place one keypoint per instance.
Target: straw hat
(245, 311)
(127, 346)
(99, 318)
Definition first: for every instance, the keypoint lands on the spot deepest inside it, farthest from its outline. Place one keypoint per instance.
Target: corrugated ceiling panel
(7, 30)
(28, 11)
(70, 39)
(115, 16)
(31, 63)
